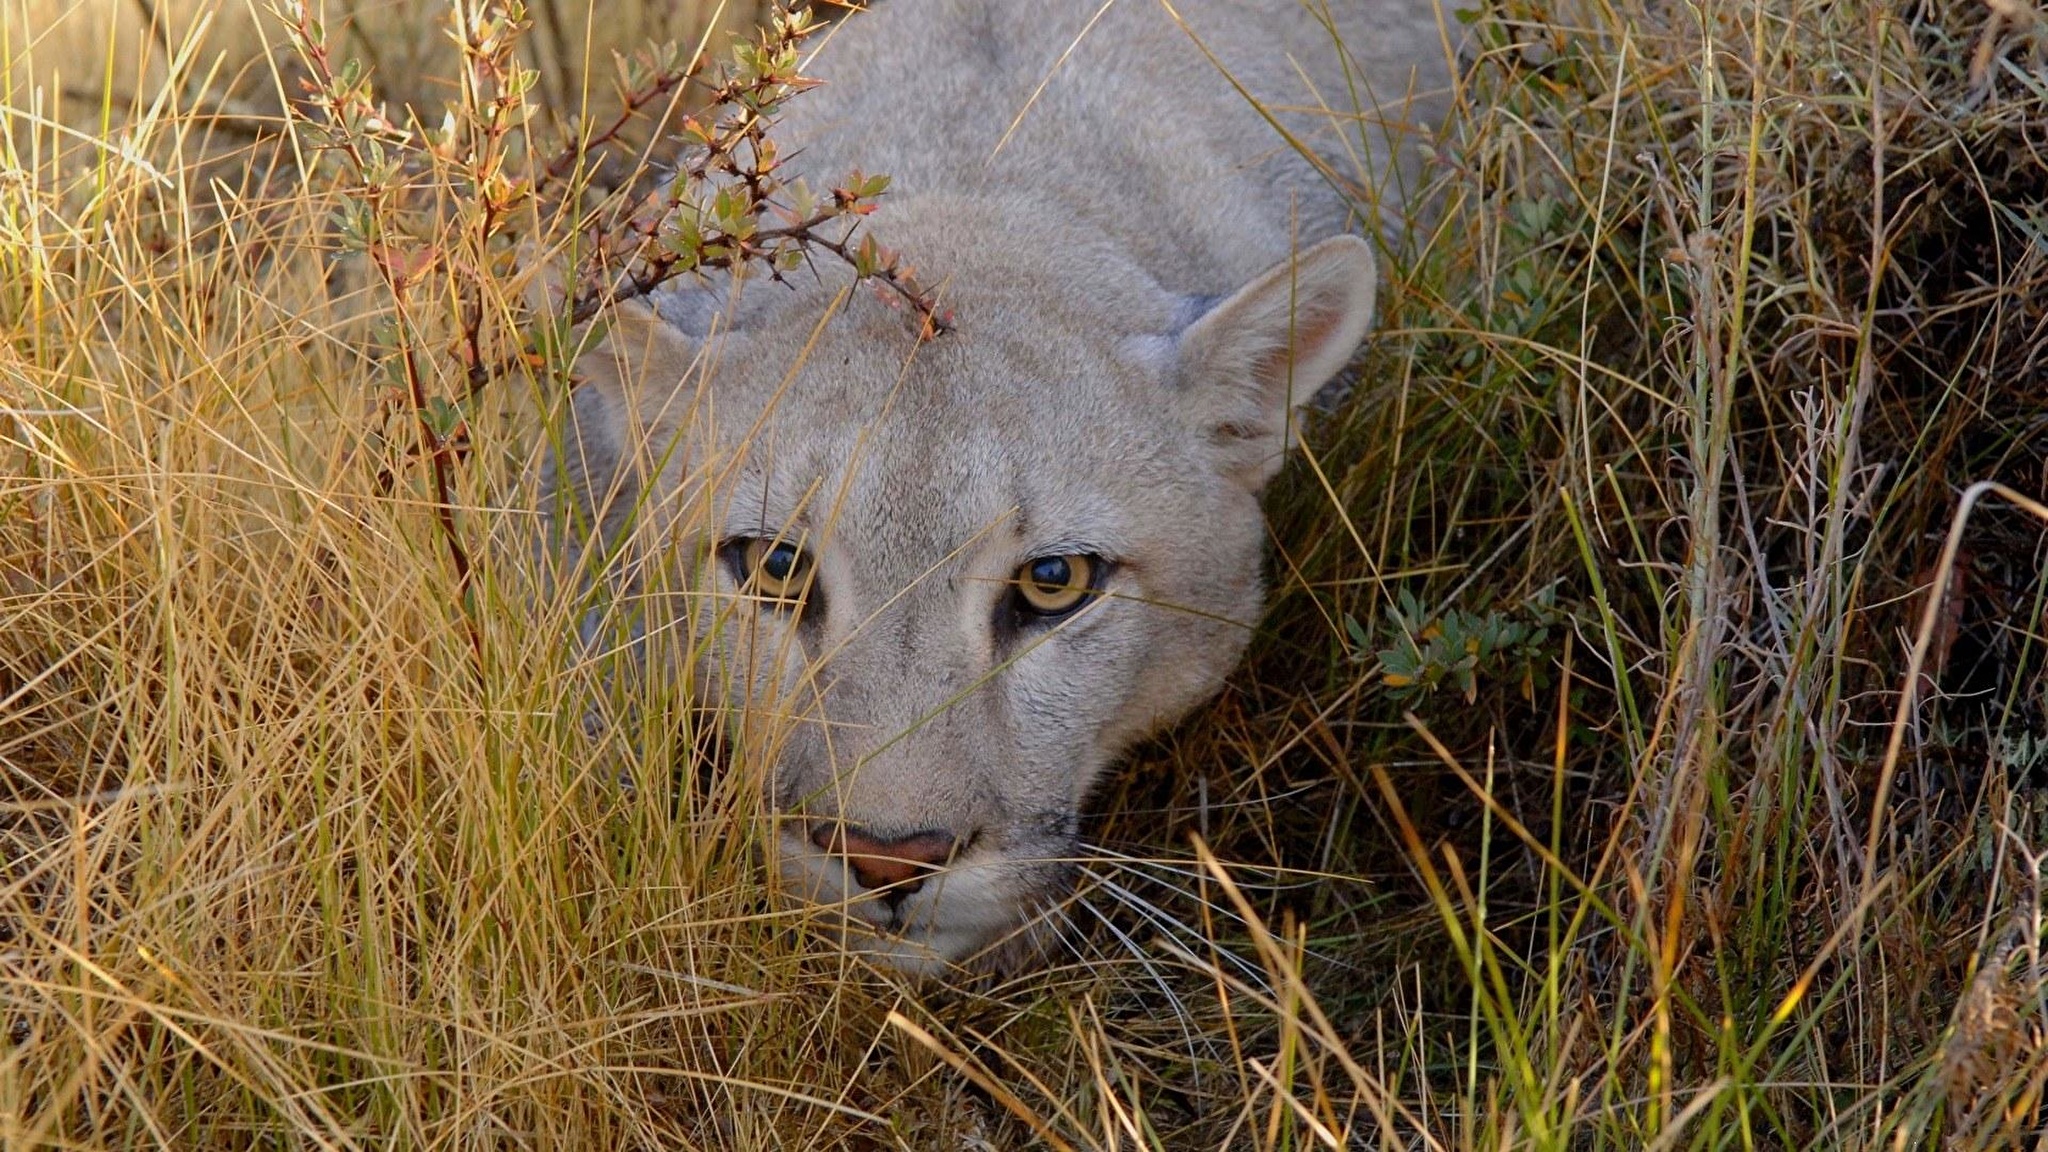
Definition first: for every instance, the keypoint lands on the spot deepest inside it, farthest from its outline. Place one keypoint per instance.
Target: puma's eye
(1056, 585)
(775, 569)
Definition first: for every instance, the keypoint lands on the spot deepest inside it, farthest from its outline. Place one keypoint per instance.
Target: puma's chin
(926, 955)
(943, 950)
(976, 916)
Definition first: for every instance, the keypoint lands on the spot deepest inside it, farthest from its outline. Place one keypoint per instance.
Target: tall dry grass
(1558, 807)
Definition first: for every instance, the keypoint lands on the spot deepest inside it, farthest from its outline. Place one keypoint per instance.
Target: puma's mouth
(960, 914)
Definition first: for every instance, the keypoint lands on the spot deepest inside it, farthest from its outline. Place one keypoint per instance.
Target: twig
(346, 101)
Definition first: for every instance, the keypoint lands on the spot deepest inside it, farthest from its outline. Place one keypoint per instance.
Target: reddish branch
(347, 105)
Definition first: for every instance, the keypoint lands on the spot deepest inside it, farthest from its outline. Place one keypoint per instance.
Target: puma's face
(968, 592)
(956, 581)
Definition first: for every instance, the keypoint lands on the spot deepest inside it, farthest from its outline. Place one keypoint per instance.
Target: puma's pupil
(779, 563)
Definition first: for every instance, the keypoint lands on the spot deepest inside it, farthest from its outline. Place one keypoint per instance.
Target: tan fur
(1148, 282)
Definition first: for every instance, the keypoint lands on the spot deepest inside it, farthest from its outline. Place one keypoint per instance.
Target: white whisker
(1180, 1009)
(1160, 919)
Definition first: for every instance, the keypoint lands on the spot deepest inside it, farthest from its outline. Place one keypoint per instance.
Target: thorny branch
(709, 215)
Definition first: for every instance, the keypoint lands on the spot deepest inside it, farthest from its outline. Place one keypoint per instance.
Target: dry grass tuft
(1553, 811)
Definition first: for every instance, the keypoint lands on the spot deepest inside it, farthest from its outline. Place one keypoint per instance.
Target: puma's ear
(641, 355)
(1252, 360)
(630, 389)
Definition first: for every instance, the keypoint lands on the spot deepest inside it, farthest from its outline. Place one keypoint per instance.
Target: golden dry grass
(1726, 306)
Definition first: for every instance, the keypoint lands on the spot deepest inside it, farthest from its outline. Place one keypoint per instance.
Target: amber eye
(775, 569)
(1056, 585)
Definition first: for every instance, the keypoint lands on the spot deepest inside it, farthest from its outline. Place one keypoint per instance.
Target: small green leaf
(1356, 633)
(441, 417)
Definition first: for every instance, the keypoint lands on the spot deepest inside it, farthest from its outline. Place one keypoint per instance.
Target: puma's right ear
(641, 355)
(628, 389)
(1250, 362)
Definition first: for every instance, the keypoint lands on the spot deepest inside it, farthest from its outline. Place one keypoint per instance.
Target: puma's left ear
(1247, 365)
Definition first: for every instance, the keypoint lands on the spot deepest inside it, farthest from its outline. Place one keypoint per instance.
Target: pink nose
(899, 865)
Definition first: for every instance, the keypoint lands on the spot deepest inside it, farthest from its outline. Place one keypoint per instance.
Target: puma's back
(1131, 117)
(943, 585)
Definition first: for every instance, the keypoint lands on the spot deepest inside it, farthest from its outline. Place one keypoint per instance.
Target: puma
(941, 586)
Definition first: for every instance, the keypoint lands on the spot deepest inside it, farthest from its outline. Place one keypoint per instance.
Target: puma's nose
(898, 865)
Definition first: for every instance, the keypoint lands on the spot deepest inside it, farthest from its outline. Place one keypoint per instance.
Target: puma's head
(953, 581)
